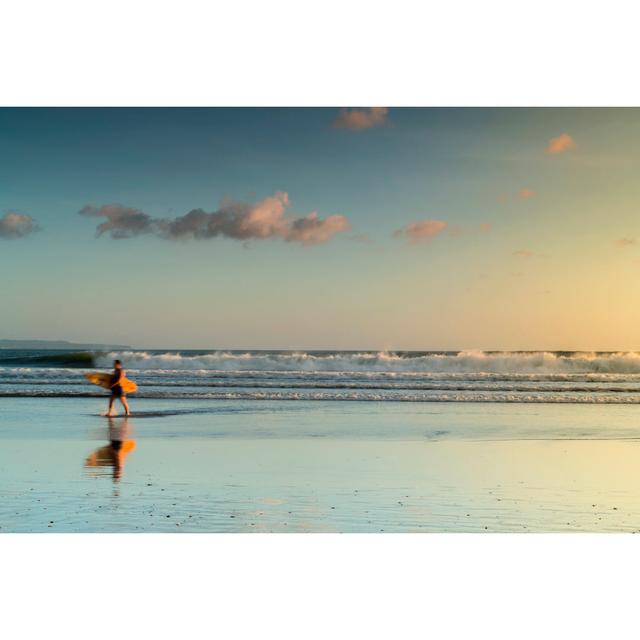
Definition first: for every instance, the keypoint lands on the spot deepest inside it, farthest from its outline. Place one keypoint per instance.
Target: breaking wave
(538, 362)
(454, 376)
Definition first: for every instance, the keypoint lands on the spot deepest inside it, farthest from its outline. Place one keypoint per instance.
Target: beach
(309, 466)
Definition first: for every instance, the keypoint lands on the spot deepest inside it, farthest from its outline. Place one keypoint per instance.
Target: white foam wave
(541, 362)
(359, 396)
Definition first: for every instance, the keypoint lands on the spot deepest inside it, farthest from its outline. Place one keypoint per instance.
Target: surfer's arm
(117, 377)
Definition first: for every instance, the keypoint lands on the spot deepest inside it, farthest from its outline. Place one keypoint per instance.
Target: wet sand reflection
(112, 457)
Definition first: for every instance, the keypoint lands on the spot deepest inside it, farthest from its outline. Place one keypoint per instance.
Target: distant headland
(58, 344)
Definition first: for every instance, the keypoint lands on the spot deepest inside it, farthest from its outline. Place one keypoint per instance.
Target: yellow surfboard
(104, 380)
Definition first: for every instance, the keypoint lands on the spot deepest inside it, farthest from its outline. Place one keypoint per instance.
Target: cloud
(121, 222)
(523, 253)
(485, 226)
(560, 144)
(313, 230)
(357, 119)
(16, 225)
(522, 194)
(421, 231)
(625, 242)
(238, 220)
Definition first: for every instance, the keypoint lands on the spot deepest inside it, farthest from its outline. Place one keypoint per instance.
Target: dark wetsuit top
(116, 389)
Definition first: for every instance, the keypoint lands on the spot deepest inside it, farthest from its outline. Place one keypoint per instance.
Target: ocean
(451, 376)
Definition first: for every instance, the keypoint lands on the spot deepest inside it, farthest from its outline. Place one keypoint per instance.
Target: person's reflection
(120, 446)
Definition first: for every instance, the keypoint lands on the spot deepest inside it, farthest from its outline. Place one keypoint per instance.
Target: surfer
(116, 388)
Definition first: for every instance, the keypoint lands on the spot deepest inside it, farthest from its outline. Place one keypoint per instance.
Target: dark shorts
(117, 391)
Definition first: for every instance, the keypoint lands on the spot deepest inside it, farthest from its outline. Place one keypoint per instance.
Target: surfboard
(104, 380)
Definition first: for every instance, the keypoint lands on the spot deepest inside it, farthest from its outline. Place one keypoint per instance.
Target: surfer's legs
(110, 411)
(123, 399)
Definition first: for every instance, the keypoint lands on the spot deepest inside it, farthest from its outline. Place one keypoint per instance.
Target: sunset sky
(322, 228)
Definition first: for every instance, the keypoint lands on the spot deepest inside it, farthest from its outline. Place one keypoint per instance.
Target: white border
(285, 52)
(318, 586)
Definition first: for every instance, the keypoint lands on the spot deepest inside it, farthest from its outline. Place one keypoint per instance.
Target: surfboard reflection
(111, 457)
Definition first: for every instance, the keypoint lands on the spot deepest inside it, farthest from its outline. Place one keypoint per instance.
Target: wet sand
(320, 468)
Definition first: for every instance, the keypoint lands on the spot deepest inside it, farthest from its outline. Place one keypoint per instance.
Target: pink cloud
(523, 253)
(16, 225)
(625, 242)
(560, 144)
(523, 194)
(238, 220)
(357, 119)
(421, 231)
(261, 220)
(485, 226)
(313, 230)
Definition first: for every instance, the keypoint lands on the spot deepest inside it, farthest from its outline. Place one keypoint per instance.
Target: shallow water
(235, 466)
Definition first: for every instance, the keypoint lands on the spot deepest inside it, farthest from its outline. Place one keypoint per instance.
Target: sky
(302, 228)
